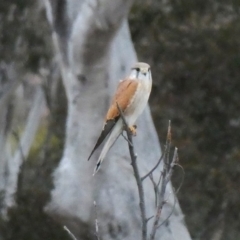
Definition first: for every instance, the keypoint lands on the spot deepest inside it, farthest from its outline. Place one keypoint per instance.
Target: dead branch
(170, 214)
(69, 233)
(153, 169)
(182, 180)
(165, 178)
(136, 175)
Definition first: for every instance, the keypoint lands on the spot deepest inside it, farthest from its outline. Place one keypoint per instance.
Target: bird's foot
(133, 130)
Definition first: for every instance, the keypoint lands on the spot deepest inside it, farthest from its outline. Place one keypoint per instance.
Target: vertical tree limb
(136, 175)
(26, 140)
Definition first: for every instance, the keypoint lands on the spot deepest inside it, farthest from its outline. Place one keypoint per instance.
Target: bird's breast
(138, 102)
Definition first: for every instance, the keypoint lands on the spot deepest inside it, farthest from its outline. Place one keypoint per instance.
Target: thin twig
(137, 176)
(159, 180)
(182, 180)
(165, 177)
(149, 218)
(173, 163)
(168, 146)
(153, 169)
(174, 204)
(155, 188)
(96, 222)
(69, 233)
(126, 139)
(159, 209)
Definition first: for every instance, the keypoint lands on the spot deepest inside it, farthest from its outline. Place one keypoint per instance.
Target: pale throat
(139, 75)
(134, 74)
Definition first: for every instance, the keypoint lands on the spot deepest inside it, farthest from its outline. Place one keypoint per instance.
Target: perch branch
(136, 174)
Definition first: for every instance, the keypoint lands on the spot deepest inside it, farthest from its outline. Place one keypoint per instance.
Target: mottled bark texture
(10, 106)
(94, 49)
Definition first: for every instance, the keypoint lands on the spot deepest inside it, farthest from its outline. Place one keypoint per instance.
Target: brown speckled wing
(125, 91)
(124, 94)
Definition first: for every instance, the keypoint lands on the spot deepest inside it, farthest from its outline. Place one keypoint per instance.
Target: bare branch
(153, 169)
(168, 146)
(159, 180)
(149, 218)
(165, 178)
(70, 233)
(175, 200)
(155, 188)
(137, 175)
(126, 139)
(162, 156)
(173, 163)
(182, 180)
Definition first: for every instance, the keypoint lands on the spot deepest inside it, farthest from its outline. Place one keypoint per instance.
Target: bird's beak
(144, 70)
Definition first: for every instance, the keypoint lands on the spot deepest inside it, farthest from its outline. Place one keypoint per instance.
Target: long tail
(111, 139)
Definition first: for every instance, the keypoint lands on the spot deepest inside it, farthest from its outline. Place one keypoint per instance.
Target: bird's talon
(133, 130)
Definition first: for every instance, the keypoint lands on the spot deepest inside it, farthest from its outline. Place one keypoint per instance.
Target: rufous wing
(125, 92)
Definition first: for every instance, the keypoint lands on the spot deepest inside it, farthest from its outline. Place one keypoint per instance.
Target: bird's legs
(133, 130)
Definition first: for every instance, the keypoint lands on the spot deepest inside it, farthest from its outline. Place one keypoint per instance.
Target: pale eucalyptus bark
(6, 95)
(11, 160)
(94, 49)
(25, 142)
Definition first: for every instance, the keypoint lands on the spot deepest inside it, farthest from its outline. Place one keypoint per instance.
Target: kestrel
(131, 96)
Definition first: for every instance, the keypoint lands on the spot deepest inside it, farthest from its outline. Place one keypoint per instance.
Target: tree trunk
(94, 50)
(25, 142)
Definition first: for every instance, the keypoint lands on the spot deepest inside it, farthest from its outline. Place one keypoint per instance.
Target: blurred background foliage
(194, 50)
(25, 36)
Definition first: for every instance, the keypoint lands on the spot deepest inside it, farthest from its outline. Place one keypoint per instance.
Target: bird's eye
(138, 69)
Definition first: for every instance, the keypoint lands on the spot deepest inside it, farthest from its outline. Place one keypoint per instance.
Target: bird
(131, 97)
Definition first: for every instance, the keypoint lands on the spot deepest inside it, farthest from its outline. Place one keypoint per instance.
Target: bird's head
(141, 71)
